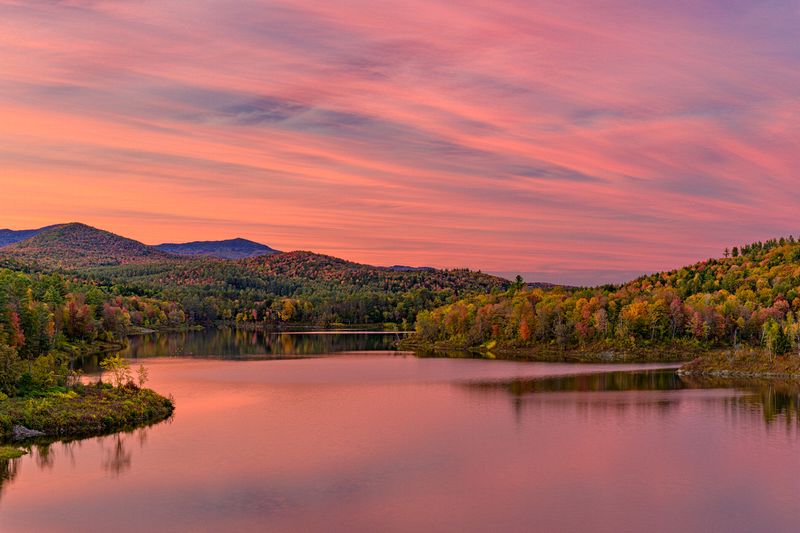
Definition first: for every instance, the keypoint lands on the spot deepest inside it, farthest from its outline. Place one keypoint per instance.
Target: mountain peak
(76, 244)
(236, 248)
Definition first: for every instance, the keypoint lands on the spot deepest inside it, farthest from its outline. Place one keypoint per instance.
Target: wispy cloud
(514, 135)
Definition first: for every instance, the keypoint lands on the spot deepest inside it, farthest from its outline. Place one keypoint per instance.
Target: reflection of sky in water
(391, 442)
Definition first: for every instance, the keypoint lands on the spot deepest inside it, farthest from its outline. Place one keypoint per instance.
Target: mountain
(277, 288)
(10, 236)
(228, 249)
(76, 245)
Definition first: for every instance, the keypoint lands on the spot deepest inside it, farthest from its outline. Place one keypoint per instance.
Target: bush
(10, 369)
(119, 369)
(26, 385)
(50, 370)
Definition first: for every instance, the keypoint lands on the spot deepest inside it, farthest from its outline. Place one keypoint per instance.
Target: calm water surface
(370, 440)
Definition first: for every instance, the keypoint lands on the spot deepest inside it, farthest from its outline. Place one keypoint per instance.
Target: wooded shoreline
(742, 362)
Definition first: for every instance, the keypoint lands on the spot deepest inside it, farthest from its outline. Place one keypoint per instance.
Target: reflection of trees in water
(773, 400)
(117, 454)
(9, 469)
(44, 456)
(597, 382)
(117, 458)
(233, 343)
(779, 401)
(117, 449)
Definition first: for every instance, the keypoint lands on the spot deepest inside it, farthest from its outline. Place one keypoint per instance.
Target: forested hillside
(751, 296)
(299, 287)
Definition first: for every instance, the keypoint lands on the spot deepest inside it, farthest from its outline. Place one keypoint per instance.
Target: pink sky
(571, 141)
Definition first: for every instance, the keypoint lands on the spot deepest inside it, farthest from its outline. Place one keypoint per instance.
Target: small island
(77, 409)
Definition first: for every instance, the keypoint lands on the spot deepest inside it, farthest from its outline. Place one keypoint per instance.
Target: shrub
(119, 369)
(50, 370)
(10, 369)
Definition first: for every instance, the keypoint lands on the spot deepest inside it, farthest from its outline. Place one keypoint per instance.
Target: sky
(576, 142)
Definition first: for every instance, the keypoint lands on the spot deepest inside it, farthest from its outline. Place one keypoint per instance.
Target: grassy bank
(599, 352)
(11, 452)
(744, 362)
(84, 411)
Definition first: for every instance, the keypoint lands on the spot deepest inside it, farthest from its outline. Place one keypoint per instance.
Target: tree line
(294, 288)
(750, 297)
(46, 317)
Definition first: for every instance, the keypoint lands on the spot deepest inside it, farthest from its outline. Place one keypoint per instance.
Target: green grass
(11, 452)
(84, 411)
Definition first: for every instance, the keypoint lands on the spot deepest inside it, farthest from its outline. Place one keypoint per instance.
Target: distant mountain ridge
(237, 248)
(405, 268)
(75, 245)
(236, 263)
(272, 288)
(10, 236)
(547, 285)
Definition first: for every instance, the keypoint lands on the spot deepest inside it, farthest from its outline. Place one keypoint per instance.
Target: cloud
(547, 136)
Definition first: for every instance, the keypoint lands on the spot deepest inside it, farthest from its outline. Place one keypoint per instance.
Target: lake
(335, 432)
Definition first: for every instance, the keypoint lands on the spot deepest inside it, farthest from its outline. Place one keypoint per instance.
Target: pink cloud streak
(552, 137)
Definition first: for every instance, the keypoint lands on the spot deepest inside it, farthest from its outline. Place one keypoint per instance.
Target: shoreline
(736, 374)
(139, 331)
(269, 327)
(747, 363)
(744, 363)
(595, 353)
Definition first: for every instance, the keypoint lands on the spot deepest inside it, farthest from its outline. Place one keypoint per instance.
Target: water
(228, 343)
(384, 441)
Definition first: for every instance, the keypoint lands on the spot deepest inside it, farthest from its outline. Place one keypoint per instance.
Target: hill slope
(76, 245)
(308, 265)
(297, 287)
(300, 270)
(226, 249)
